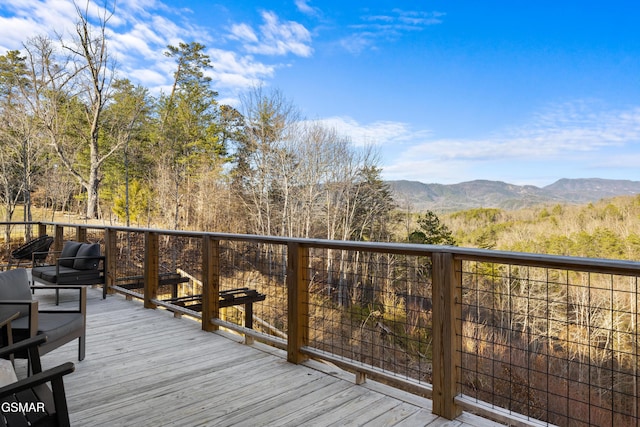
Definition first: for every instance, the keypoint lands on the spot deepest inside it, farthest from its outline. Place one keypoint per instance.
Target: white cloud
(558, 142)
(34, 17)
(151, 77)
(376, 133)
(304, 7)
(275, 38)
(141, 30)
(12, 31)
(417, 19)
(235, 71)
(359, 42)
(553, 133)
(244, 32)
(387, 26)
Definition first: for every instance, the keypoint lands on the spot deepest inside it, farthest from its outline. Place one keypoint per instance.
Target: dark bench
(79, 264)
(228, 298)
(164, 279)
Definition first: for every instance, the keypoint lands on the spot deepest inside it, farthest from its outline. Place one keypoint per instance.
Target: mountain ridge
(498, 194)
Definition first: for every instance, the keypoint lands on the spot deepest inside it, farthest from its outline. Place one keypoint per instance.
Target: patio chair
(29, 401)
(59, 326)
(35, 250)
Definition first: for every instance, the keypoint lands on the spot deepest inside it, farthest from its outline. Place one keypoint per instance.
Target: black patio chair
(30, 401)
(35, 250)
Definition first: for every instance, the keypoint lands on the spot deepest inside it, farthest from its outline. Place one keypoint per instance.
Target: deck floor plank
(298, 406)
(147, 368)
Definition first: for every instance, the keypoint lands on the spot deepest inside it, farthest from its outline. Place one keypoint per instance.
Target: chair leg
(57, 296)
(81, 348)
(60, 402)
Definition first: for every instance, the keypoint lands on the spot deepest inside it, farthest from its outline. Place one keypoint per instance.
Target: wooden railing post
(151, 267)
(111, 258)
(447, 327)
(210, 282)
(298, 301)
(42, 229)
(58, 239)
(81, 234)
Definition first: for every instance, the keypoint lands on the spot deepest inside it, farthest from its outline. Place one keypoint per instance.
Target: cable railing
(522, 338)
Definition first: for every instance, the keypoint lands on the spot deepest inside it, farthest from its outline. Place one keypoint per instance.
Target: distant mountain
(497, 194)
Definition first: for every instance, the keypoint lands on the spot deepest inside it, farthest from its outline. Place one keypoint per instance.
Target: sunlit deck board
(144, 367)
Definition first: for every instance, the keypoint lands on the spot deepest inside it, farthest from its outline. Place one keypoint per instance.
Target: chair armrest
(6, 331)
(31, 303)
(22, 345)
(54, 286)
(32, 309)
(37, 379)
(8, 320)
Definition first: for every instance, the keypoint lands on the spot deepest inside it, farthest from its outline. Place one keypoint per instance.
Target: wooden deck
(146, 368)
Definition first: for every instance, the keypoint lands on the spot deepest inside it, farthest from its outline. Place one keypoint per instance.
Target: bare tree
(313, 147)
(263, 176)
(10, 185)
(68, 93)
(21, 153)
(93, 72)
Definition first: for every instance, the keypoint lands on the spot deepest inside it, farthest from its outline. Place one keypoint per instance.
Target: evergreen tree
(189, 143)
(432, 231)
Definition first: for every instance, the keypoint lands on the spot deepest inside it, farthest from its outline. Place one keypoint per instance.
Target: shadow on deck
(146, 368)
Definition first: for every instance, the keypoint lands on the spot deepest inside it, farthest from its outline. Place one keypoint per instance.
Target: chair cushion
(87, 250)
(69, 250)
(7, 373)
(68, 276)
(14, 285)
(53, 325)
(48, 272)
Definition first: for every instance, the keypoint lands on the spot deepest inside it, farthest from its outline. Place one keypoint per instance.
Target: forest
(76, 137)
(609, 228)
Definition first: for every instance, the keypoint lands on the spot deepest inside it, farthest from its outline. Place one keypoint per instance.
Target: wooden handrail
(594, 265)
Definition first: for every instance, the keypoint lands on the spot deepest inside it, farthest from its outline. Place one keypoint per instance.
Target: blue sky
(448, 91)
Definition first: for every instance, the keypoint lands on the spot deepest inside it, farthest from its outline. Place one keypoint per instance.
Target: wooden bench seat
(228, 298)
(164, 279)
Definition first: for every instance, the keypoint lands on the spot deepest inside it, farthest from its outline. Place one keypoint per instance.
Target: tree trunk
(92, 193)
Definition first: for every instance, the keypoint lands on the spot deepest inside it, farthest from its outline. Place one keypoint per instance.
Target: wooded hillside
(609, 228)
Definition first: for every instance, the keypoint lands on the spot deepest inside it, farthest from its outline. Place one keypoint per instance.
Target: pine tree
(432, 231)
